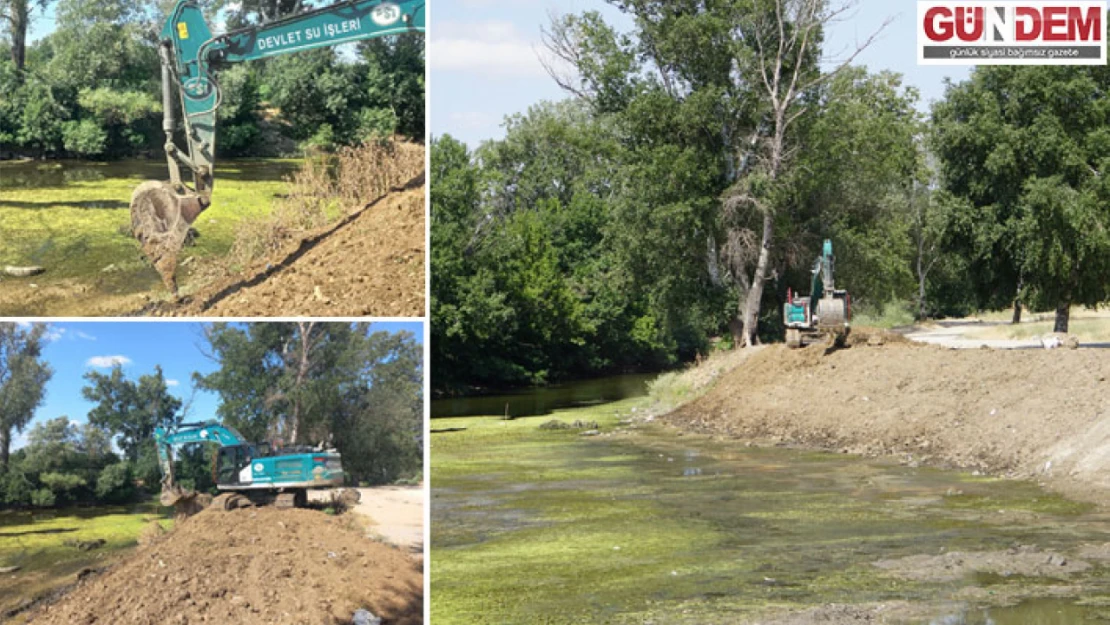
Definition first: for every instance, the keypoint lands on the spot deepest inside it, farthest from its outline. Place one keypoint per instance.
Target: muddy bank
(370, 264)
(1042, 414)
(250, 566)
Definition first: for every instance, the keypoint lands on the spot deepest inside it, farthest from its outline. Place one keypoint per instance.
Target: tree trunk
(5, 445)
(1017, 312)
(20, 17)
(755, 295)
(1063, 314)
(302, 373)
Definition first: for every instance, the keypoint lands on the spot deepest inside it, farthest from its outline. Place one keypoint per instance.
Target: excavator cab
(230, 463)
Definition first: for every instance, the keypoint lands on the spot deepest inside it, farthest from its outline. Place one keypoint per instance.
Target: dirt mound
(250, 566)
(1023, 413)
(370, 264)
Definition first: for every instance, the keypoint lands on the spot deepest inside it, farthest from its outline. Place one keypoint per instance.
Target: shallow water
(532, 526)
(73, 219)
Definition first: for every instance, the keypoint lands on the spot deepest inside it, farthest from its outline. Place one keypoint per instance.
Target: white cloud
(107, 362)
(54, 334)
(81, 335)
(172, 383)
(490, 48)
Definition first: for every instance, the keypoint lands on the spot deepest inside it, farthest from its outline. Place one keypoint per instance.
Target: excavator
(248, 474)
(163, 212)
(825, 312)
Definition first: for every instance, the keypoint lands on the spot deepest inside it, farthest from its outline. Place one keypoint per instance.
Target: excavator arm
(161, 213)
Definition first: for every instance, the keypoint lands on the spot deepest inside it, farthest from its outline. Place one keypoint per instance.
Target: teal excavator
(249, 474)
(826, 312)
(162, 212)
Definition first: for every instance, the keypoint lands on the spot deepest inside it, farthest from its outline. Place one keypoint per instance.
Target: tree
(18, 15)
(23, 378)
(1025, 149)
(131, 410)
(323, 382)
(277, 380)
(782, 59)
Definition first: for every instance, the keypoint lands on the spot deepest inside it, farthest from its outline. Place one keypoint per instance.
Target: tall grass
(327, 188)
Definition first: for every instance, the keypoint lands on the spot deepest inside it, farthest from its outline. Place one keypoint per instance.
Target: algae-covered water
(43, 545)
(531, 525)
(73, 219)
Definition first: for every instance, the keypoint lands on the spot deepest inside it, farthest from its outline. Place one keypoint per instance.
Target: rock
(110, 269)
(8, 569)
(554, 424)
(590, 433)
(23, 272)
(86, 545)
(365, 617)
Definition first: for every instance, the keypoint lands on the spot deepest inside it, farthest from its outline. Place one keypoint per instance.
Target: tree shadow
(59, 530)
(88, 205)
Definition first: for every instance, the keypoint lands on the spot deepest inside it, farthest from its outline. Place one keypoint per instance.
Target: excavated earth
(1040, 414)
(250, 566)
(371, 264)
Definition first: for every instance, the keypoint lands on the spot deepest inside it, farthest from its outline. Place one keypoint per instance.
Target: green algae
(73, 218)
(41, 544)
(547, 526)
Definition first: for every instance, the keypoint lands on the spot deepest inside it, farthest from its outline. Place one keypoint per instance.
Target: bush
(43, 498)
(15, 488)
(115, 483)
(84, 138)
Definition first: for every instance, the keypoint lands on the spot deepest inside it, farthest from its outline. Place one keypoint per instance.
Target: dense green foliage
(623, 229)
(309, 382)
(301, 384)
(1025, 149)
(92, 88)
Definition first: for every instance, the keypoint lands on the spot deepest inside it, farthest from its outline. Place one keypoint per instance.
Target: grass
(36, 541)
(1086, 329)
(892, 315)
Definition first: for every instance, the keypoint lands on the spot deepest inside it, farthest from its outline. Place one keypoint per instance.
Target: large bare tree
(785, 37)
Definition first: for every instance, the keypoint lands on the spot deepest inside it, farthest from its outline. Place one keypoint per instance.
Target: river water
(542, 400)
(546, 526)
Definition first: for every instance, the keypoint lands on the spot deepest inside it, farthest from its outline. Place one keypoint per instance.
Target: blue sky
(76, 348)
(483, 59)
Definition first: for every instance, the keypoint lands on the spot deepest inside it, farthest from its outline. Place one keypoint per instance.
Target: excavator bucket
(160, 220)
(185, 503)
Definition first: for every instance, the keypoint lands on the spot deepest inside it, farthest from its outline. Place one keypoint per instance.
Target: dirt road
(1036, 413)
(397, 513)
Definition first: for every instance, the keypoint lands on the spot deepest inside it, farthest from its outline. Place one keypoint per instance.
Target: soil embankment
(1042, 414)
(250, 566)
(370, 264)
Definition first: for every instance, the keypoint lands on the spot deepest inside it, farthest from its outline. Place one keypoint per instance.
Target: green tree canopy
(23, 378)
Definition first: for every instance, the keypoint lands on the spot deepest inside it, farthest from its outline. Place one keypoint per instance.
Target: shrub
(43, 498)
(115, 483)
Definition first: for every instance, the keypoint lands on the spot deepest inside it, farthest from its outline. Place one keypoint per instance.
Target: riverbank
(1036, 414)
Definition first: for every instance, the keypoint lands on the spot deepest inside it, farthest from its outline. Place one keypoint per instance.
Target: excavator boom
(162, 212)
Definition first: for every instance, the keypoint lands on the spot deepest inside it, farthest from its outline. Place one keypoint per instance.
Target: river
(642, 525)
(72, 218)
(543, 399)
